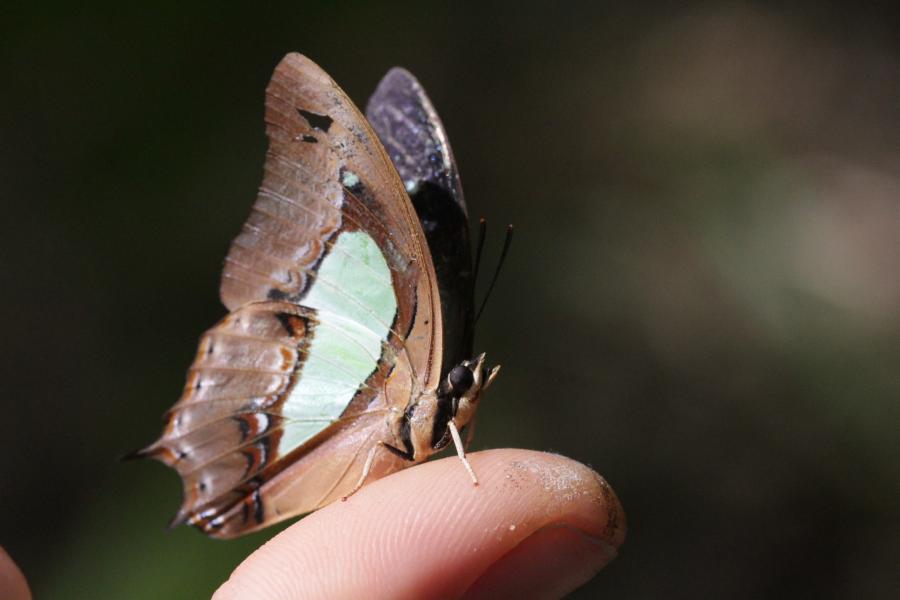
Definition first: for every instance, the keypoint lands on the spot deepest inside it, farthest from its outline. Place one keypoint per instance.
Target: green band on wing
(355, 303)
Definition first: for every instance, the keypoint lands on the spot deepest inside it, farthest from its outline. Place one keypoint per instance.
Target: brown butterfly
(347, 354)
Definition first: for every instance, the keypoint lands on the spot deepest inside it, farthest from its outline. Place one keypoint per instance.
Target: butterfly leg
(404, 436)
(401, 453)
(370, 459)
(365, 473)
(460, 451)
(469, 430)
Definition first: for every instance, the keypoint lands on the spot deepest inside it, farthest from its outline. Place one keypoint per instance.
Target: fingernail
(549, 563)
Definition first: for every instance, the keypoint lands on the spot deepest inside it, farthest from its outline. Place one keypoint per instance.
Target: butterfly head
(465, 383)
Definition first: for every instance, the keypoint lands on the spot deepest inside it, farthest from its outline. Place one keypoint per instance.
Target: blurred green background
(703, 301)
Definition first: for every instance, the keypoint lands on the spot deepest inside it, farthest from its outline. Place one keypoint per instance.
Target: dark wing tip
(136, 454)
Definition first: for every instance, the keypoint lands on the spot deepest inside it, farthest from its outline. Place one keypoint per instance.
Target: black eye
(461, 379)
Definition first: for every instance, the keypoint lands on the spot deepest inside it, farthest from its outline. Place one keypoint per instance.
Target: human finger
(538, 524)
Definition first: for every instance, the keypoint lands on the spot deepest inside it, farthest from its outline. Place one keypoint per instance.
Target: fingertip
(575, 526)
(562, 490)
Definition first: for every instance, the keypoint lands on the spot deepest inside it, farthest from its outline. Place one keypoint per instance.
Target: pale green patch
(350, 179)
(355, 301)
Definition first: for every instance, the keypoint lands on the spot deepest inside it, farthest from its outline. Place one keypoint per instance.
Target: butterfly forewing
(336, 323)
(412, 133)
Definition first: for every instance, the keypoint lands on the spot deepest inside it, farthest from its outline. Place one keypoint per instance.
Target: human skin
(12, 582)
(538, 525)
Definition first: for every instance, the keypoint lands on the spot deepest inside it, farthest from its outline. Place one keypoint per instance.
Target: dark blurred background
(703, 301)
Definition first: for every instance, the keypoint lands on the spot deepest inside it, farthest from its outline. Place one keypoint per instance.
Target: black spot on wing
(245, 512)
(258, 507)
(244, 427)
(316, 121)
(310, 139)
(284, 318)
(282, 296)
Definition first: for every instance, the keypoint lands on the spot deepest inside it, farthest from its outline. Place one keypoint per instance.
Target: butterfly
(347, 351)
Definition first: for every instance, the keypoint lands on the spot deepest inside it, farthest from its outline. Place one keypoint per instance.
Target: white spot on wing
(350, 179)
(262, 421)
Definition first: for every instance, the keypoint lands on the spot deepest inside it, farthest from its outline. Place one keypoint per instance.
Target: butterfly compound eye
(461, 379)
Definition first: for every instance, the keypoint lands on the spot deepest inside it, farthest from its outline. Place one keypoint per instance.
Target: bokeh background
(703, 301)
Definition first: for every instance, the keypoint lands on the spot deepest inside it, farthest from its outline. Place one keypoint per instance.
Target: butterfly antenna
(506, 243)
(482, 232)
